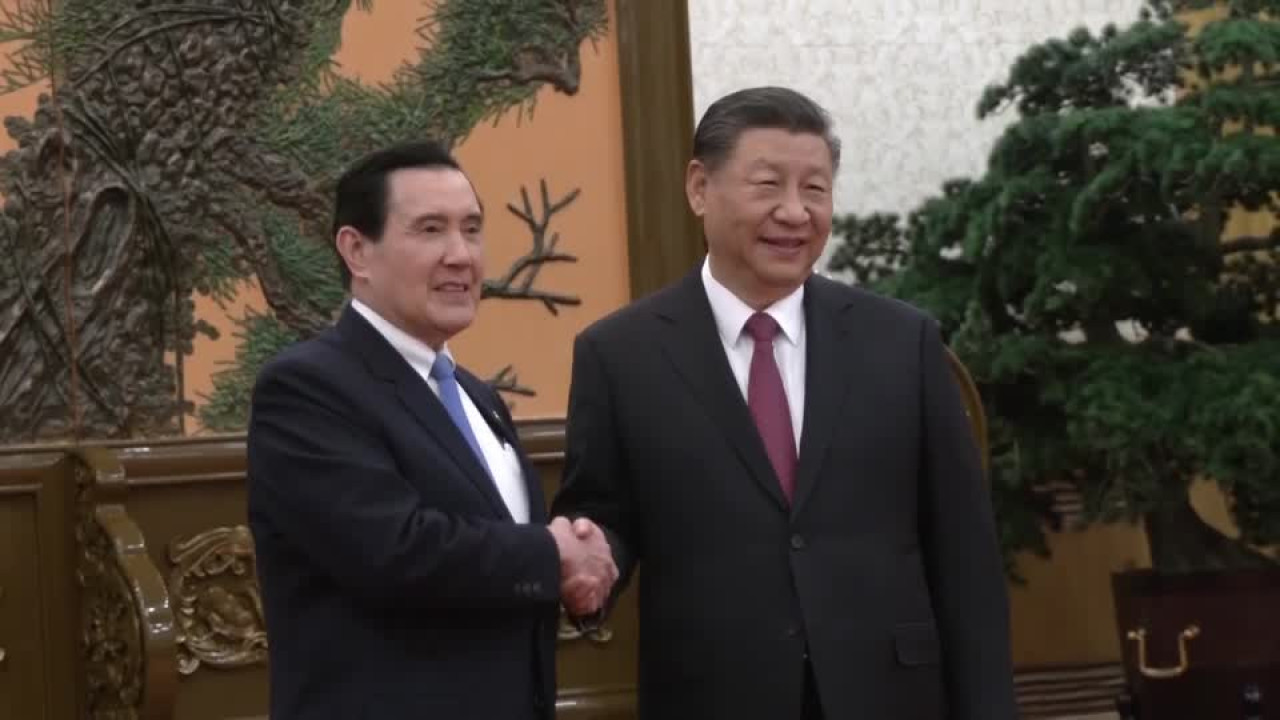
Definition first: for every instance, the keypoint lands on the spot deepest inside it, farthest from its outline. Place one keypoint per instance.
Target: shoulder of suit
(865, 301)
(478, 381)
(324, 378)
(317, 356)
(625, 319)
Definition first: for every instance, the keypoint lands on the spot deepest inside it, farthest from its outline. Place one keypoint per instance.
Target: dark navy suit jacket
(395, 583)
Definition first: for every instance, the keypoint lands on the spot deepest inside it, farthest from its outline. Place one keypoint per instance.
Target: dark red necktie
(767, 399)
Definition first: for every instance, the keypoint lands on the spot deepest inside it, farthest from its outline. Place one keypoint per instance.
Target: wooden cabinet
(129, 589)
(37, 670)
(118, 568)
(186, 502)
(1196, 642)
(22, 676)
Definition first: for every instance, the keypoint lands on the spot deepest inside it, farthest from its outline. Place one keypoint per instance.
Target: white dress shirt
(503, 462)
(731, 315)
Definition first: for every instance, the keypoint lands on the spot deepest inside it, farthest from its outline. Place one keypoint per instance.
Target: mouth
(784, 244)
(461, 288)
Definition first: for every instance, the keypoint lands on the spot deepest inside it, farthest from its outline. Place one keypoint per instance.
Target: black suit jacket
(395, 583)
(885, 570)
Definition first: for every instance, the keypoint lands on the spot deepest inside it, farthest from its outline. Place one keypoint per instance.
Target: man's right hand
(587, 570)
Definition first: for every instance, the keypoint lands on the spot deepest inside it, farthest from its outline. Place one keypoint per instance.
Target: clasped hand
(587, 571)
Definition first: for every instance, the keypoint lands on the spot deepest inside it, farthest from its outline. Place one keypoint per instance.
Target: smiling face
(766, 211)
(423, 275)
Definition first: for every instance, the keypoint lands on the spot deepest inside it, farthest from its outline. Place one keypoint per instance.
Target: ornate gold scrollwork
(1140, 637)
(126, 621)
(569, 632)
(219, 606)
(112, 635)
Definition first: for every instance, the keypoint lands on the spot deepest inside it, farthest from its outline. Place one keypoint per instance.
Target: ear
(695, 186)
(354, 248)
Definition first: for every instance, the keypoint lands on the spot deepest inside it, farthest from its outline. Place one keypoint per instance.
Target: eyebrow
(441, 217)
(774, 167)
(763, 165)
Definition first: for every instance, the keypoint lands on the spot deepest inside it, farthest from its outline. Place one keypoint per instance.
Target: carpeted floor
(1062, 693)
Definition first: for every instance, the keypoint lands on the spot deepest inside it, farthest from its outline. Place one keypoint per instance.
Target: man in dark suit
(788, 461)
(406, 563)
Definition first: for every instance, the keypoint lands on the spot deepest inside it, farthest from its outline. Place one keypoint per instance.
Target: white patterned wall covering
(901, 77)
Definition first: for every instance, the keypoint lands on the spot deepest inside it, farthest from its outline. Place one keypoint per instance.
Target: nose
(791, 209)
(457, 250)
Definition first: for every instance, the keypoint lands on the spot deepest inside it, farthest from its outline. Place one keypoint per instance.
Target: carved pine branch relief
(191, 148)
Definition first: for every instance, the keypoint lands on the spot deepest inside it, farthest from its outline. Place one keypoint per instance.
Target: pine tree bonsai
(1099, 282)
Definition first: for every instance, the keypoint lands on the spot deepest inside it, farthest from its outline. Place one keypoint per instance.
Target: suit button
(536, 587)
(793, 631)
(797, 542)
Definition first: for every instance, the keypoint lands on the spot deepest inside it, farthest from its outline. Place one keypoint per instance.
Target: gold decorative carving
(569, 632)
(219, 608)
(112, 635)
(126, 621)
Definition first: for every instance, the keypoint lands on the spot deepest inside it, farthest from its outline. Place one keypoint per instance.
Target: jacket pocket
(916, 643)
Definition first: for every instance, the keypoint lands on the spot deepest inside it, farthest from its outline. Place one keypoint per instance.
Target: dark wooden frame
(657, 131)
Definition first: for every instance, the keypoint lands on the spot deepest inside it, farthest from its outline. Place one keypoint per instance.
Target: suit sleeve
(595, 483)
(963, 560)
(325, 482)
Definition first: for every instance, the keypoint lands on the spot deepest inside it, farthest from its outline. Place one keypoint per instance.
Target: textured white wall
(901, 77)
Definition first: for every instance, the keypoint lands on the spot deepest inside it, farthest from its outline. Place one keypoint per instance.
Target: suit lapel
(533, 484)
(830, 362)
(414, 393)
(692, 343)
(499, 421)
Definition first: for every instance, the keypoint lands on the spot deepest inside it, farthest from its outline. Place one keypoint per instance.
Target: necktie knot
(442, 368)
(762, 327)
(442, 371)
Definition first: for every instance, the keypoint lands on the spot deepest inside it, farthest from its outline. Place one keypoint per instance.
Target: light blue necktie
(442, 371)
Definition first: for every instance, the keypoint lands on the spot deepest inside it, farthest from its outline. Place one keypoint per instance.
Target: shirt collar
(417, 353)
(731, 313)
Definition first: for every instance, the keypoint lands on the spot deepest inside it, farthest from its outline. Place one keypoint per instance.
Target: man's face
(424, 274)
(766, 211)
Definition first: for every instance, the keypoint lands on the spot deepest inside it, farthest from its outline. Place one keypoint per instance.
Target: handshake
(587, 571)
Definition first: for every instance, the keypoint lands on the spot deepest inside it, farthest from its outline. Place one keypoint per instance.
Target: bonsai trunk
(1183, 542)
